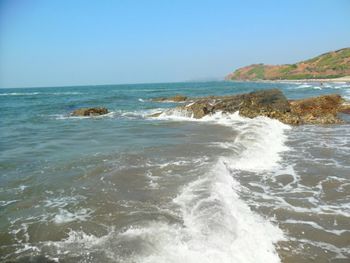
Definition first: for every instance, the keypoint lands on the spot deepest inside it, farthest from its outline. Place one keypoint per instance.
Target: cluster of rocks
(271, 103)
(90, 111)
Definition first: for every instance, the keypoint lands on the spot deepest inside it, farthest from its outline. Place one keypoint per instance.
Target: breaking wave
(217, 225)
(214, 223)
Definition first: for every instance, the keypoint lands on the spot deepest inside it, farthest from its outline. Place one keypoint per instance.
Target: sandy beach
(335, 80)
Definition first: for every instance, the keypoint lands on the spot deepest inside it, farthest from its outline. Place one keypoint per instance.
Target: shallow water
(129, 188)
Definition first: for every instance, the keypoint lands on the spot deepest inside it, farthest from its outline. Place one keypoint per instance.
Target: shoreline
(335, 80)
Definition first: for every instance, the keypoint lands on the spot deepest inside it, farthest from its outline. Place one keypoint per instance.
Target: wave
(214, 224)
(5, 203)
(68, 117)
(20, 94)
(319, 86)
(218, 226)
(260, 139)
(138, 114)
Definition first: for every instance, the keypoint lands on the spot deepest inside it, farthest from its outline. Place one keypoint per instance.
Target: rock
(199, 110)
(273, 104)
(318, 106)
(345, 108)
(318, 110)
(203, 106)
(90, 112)
(260, 103)
(176, 98)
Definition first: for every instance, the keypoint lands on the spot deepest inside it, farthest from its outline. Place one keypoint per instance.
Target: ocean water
(129, 188)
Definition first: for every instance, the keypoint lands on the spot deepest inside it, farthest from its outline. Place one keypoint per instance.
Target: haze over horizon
(64, 43)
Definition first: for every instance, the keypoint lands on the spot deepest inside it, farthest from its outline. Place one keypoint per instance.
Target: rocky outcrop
(270, 103)
(90, 111)
(318, 110)
(176, 98)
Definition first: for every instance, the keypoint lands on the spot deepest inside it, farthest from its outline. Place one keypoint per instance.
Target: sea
(127, 187)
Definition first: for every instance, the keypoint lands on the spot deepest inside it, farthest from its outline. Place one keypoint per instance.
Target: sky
(62, 42)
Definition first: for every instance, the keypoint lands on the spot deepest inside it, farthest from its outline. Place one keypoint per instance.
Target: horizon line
(115, 84)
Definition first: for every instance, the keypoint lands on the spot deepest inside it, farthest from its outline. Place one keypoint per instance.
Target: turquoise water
(94, 189)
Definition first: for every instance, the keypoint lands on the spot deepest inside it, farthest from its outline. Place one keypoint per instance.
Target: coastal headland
(332, 66)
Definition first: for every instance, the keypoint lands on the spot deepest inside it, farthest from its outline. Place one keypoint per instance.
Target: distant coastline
(345, 79)
(332, 66)
(336, 80)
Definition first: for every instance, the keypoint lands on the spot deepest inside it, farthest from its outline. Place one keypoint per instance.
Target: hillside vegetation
(333, 64)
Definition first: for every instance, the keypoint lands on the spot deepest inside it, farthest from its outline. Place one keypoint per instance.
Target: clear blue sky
(63, 42)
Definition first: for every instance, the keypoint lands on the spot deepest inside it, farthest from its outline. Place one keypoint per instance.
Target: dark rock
(176, 98)
(208, 105)
(89, 112)
(264, 103)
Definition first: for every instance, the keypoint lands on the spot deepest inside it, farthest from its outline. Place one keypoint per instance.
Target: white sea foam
(63, 201)
(153, 184)
(217, 227)
(341, 253)
(138, 113)
(64, 93)
(317, 226)
(113, 114)
(319, 86)
(20, 94)
(64, 216)
(304, 86)
(259, 141)
(5, 203)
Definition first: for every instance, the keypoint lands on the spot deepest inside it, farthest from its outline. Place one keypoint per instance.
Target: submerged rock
(176, 98)
(270, 103)
(90, 111)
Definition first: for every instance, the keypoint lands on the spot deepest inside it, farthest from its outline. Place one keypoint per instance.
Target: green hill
(333, 64)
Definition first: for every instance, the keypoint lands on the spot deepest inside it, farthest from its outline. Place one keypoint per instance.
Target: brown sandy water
(221, 190)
